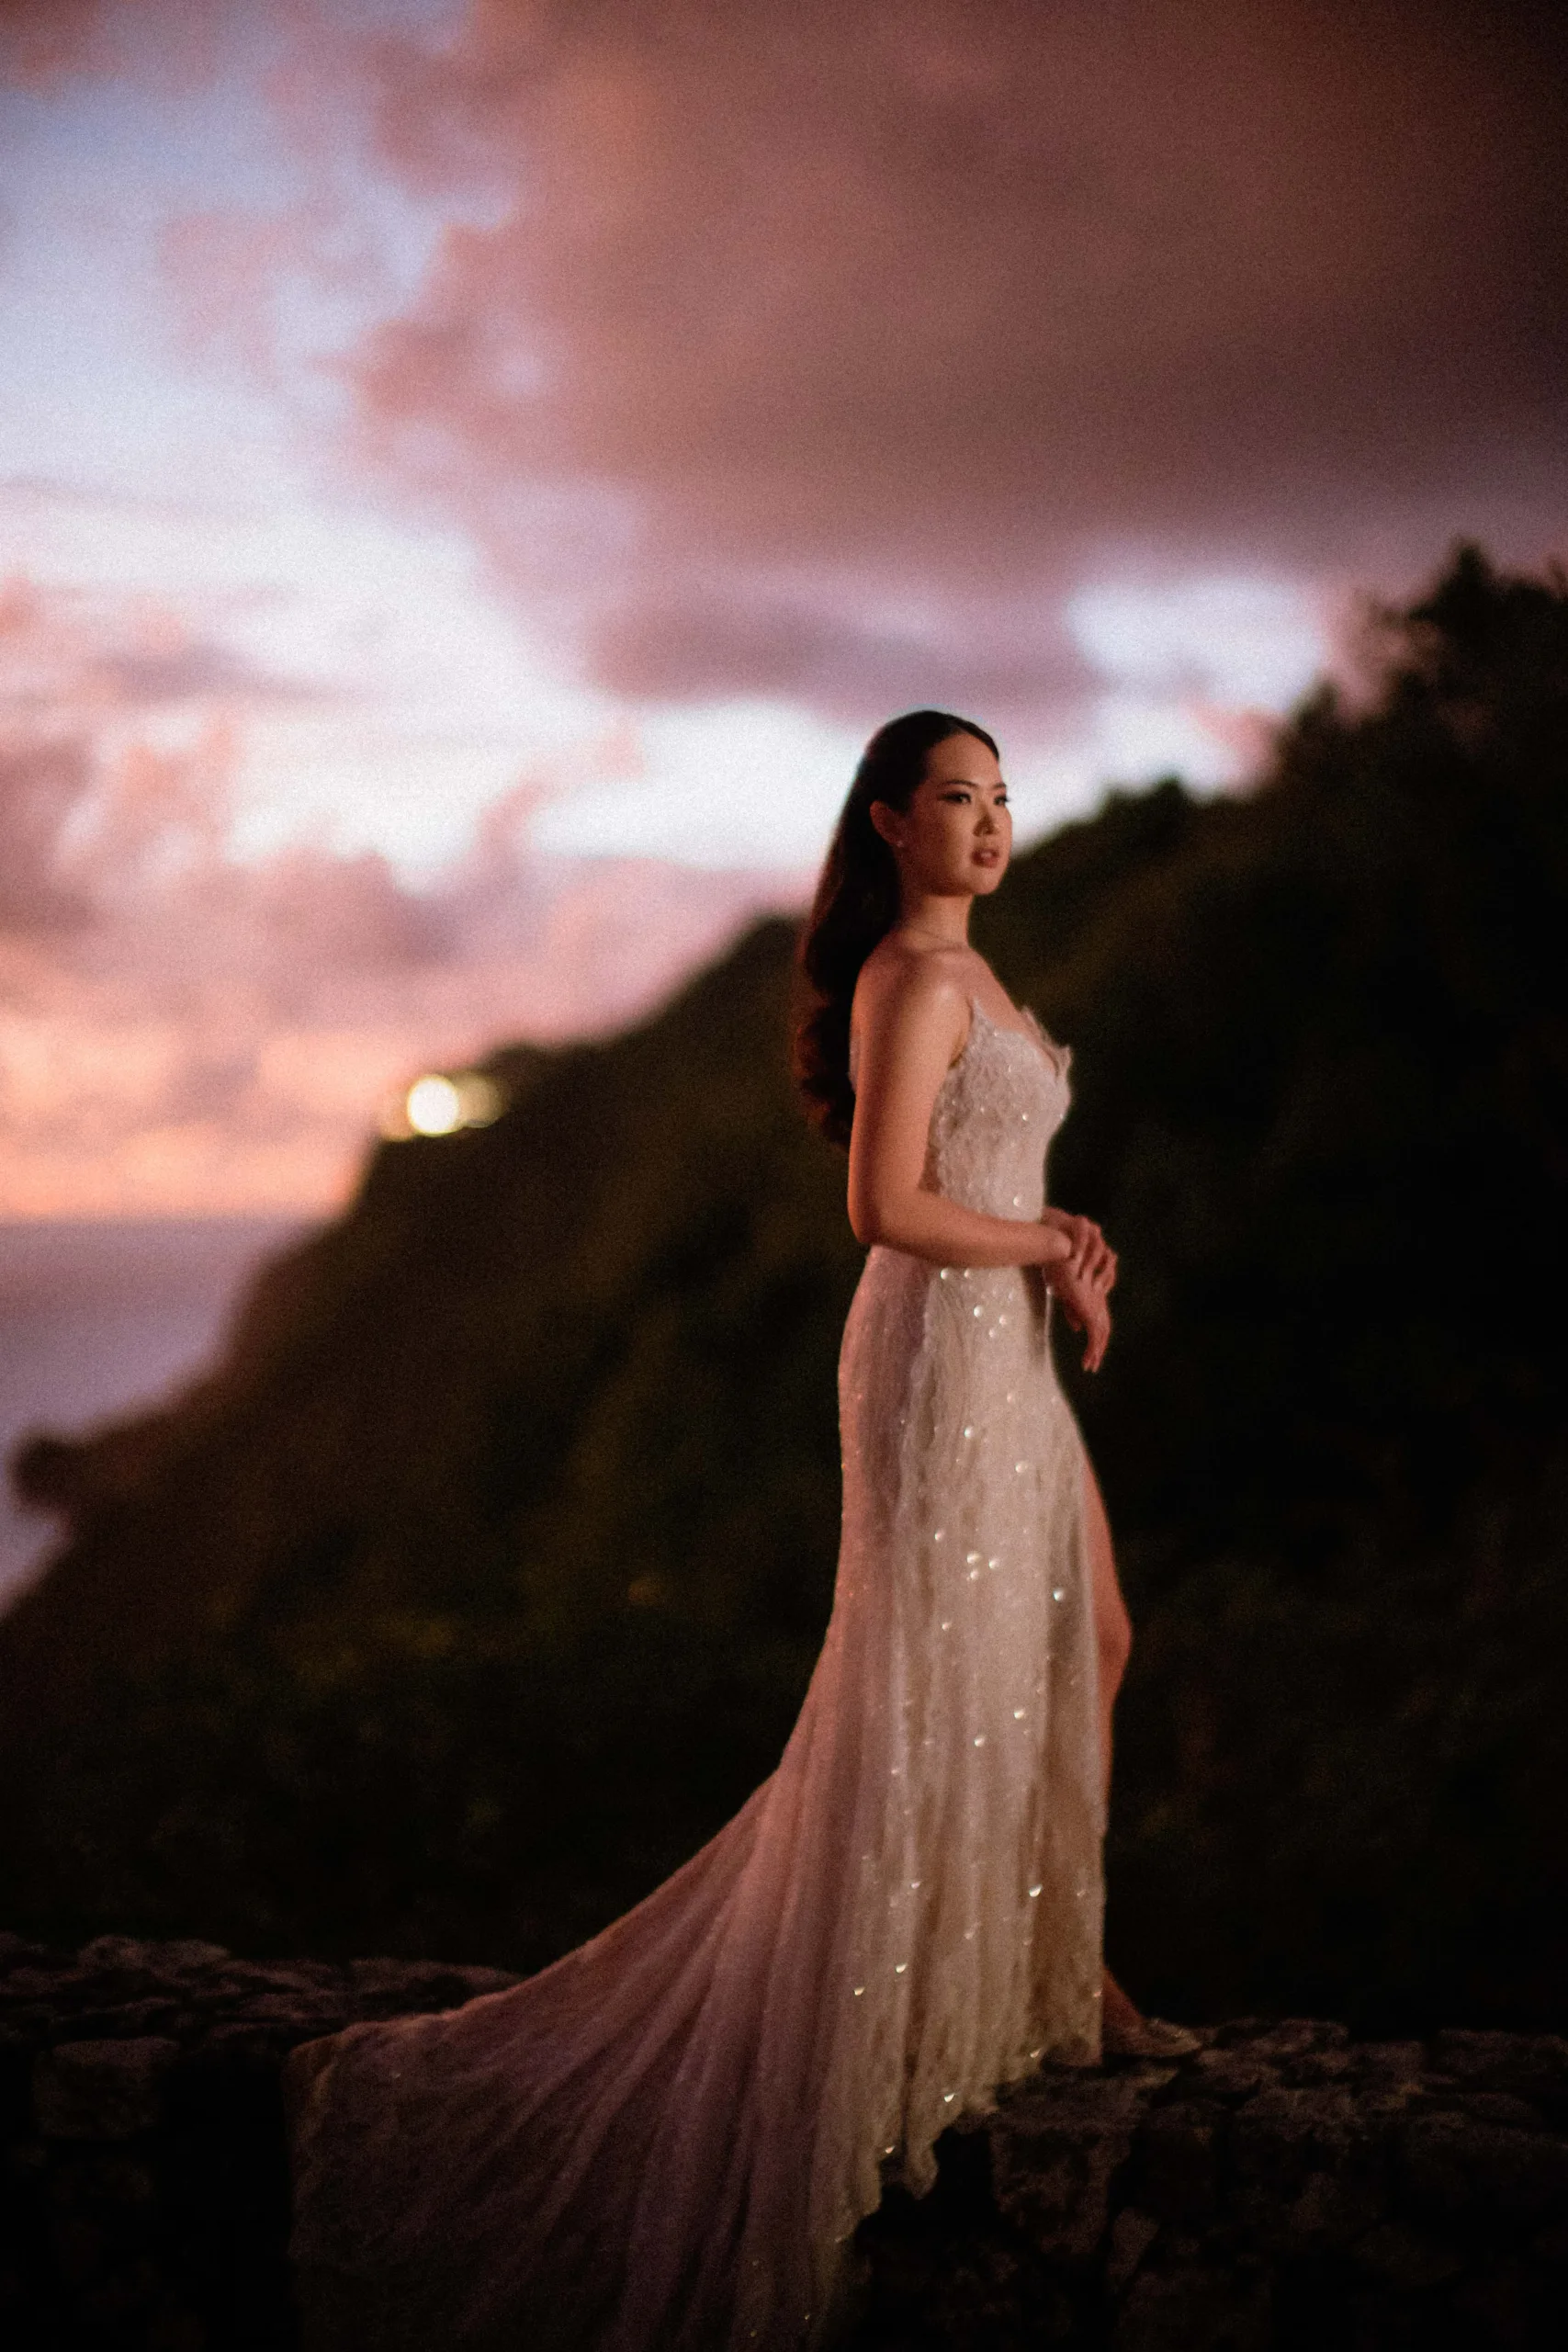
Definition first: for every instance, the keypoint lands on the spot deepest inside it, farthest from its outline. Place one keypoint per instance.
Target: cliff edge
(1288, 2187)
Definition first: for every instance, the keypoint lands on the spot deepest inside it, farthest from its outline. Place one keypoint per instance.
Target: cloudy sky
(471, 472)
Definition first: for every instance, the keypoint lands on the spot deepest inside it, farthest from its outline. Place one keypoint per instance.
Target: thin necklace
(919, 932)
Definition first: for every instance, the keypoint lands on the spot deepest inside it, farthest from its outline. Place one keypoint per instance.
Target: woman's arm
(914, 1021)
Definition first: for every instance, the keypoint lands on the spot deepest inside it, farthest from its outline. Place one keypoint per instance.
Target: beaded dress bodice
(994, 1117)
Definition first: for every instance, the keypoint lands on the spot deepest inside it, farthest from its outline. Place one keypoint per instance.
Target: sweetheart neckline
(1058, 1056)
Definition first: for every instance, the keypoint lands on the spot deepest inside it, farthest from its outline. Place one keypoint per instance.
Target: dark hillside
(485, 1577)
(1324, 1109)
(424, 1408)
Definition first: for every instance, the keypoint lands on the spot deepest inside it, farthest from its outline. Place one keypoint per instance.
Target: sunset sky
(471, 475)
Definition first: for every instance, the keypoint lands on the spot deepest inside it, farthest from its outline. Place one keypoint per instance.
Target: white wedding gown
(664, 2142)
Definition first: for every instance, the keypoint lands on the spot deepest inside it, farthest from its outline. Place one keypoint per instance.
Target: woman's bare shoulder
(902, 986)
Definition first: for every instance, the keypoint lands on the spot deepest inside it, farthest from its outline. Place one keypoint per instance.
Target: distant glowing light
(434, 1106)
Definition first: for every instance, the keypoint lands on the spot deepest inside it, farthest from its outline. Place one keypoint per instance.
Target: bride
(665, 2142)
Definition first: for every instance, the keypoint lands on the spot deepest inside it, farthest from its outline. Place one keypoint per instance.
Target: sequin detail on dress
(663, 2142)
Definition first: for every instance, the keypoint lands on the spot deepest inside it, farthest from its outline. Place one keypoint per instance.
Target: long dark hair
(856, 905)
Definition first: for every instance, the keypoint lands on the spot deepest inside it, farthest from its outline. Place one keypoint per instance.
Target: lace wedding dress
(664, 2142)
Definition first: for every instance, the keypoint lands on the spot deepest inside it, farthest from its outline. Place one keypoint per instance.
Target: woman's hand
(1091, 1253)
(1085, 1305)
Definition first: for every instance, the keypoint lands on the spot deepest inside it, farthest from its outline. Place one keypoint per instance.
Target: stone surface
(1284, 2189)
(102, 2090)
(1056, 2150)
(143, 2188)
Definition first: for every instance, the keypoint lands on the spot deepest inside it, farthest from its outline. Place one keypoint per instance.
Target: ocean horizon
(101, 1318)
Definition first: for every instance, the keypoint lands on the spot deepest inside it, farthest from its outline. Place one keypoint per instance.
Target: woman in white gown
(664, 2142)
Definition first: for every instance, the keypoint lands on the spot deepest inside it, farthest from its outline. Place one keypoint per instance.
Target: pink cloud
(814, 349)
(817, 352)
(41, 42)
(41, 783)
(184, 1031)
(45, 42)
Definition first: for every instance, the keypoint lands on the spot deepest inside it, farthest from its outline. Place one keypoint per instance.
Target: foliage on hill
(484, 1578)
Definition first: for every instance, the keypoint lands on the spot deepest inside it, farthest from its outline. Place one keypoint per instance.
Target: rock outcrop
(1286, 2187)
(146, 2190)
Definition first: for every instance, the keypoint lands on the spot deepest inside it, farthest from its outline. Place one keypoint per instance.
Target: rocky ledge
(1286, 2187)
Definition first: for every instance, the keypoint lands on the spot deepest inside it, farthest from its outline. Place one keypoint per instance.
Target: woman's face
(955, 837)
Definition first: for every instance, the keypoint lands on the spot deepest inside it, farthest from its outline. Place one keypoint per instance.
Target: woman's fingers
(1091, 1259)
(1098, 1257)
(1083, 1304)
(1104, 1271)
